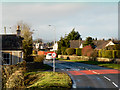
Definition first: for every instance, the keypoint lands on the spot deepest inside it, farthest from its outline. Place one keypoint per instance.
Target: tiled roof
(11, 42)
(100, 44)
(75, 43)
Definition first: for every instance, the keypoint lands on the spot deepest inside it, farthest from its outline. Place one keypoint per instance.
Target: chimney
(18, 30)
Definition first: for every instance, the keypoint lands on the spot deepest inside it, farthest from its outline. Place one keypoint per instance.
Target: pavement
(85, 76)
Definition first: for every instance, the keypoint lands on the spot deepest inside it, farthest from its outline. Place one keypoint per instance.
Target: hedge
(78, 51)
(63, 50)
(70, 51)
(109, 53)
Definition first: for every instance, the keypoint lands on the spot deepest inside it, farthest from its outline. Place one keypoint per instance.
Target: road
(89, 76)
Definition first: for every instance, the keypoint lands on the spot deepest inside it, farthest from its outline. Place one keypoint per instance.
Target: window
(6, 58)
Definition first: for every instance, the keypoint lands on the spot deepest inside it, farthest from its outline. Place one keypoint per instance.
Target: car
(49, 56)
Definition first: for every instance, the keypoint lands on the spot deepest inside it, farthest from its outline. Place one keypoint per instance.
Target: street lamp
(37, 44)
(53, 48)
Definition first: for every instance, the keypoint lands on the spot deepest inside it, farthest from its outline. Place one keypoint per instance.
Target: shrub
(117, 53)
(29, 59)
(58, 51)
(78, 51)
(87, 50)
(39, 58)
(63, 50)
(94, 54)
(70, 51)
(103, 53)
(16, 80)
(108, 54)
(34, 52)
(100, 53)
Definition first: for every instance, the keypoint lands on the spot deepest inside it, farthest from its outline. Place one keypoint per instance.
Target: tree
(73, 35)
(65, 42)
(27, 42)
(89, 41)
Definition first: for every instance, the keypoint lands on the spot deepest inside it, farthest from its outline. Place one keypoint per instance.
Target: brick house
(11, 48)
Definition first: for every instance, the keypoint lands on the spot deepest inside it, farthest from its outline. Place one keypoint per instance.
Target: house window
(20, 56)
(6, 58)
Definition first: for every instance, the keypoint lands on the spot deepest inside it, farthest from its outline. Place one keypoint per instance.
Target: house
(99, 44)
(76, 43)
(11, 48)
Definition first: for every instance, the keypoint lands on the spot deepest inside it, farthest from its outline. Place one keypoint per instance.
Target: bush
(108, 54)
(87, 50)
(34, 52)
(58, 52)
(70, 51)
(63, 50)
(16, 80)
(29, 59)
(117, 53)
(100, 53)
(78, 51)
(39, 58)
(94, 54)
(103, 53)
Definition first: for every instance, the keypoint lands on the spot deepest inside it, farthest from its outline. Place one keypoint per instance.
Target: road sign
(54, 55)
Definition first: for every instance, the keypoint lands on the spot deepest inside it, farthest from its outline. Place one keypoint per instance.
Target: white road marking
(115, 84)
(98, 73)
(107, 78)
(94, 72)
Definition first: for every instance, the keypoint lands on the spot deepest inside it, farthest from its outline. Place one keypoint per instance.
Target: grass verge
(103, 64)
(47, 80)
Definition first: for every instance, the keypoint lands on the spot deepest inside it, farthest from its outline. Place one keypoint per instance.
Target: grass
(45, 67)
(103, 64)
(43, 77)
(47, 80)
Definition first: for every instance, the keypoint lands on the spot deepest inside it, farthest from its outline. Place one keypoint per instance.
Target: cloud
(94, 19)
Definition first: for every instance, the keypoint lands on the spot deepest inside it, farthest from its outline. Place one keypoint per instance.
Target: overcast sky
(89, 19)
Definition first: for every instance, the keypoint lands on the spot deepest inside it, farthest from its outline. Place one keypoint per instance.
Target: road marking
(115, 84)
(98, 73)
(107, 78)
(94, 72)
(74, 83)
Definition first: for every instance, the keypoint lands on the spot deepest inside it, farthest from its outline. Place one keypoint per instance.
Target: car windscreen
(50, 54)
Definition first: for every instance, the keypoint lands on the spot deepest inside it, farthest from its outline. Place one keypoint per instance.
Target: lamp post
(53, 48)
(36, 45)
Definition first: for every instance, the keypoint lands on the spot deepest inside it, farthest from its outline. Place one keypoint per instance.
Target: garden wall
(69, 57)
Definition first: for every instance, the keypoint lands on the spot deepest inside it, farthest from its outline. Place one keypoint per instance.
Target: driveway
(89, 76)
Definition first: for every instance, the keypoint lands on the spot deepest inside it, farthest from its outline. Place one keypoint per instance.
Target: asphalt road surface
(87, 76)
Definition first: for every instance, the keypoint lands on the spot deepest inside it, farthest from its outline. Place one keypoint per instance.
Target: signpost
(54, 56)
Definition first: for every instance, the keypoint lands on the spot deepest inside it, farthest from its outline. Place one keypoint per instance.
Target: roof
(11, 42)
(75, 43)
(100, 44)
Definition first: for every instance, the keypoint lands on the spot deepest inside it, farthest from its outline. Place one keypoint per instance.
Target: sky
(95, 19)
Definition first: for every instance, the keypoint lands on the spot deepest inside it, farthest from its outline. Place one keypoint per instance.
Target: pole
(54, 50)
(53, 64)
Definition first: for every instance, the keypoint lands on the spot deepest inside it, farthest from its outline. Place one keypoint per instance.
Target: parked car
(49, 56)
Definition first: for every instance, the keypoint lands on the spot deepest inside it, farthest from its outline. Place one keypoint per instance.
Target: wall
(87, 58)
(73, 57)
